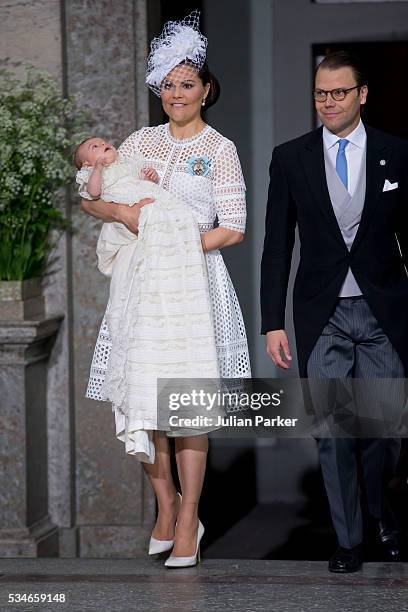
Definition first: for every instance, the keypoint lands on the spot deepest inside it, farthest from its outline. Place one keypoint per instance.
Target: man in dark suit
(345, 186)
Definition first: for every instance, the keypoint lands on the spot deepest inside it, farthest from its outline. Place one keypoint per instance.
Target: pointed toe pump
(160, 546)
(174, 562)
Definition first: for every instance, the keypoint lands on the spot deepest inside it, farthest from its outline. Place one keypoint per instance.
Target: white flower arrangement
(36, 123)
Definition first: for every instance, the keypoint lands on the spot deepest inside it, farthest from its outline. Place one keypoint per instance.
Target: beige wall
(31, 31)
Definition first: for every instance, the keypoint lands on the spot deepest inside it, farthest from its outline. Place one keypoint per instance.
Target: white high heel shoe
(188, 561)
(160, 546)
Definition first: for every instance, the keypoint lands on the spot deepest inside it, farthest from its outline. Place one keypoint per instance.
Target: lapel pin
(382, 162)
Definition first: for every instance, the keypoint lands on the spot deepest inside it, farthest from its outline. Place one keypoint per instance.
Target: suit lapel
(376, 171)
(313, 163)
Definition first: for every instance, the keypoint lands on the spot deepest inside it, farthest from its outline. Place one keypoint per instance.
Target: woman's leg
(191, 457)
(161, 479)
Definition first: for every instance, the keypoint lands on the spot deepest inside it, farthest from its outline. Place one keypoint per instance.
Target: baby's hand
(100, 162)
(149, 174)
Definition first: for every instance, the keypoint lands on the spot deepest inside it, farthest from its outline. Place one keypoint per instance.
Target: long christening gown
(204, 172)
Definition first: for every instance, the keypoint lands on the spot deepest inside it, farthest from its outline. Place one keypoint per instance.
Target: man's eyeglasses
(320, 95)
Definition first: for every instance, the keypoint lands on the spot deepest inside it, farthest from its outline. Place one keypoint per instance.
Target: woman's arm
(110, 212)
(220, 237)
(229, 194)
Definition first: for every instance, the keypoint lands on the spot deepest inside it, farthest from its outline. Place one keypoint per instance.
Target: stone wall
(102, 57)
(97, 494)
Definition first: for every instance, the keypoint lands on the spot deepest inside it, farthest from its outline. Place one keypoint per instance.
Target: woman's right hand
(129, 215)
(110, 212)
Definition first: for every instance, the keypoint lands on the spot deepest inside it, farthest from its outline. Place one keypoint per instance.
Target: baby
(94, 154)
(159, 317)
(104, 173)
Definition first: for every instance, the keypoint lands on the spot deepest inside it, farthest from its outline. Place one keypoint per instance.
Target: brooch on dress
(198, 166)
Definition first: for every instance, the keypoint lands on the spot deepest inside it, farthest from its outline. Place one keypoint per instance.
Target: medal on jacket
(198, 166)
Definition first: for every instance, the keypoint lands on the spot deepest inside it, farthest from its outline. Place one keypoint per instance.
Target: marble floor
(215, 585)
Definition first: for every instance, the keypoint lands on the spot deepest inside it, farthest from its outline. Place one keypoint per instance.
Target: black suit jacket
(298, 195)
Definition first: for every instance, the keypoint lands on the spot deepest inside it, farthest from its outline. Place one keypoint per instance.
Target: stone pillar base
(115, 542)
(39, 540)
(25, 526)
(68, 542)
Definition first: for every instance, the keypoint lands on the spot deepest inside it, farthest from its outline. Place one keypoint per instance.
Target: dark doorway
(387, 67)
(229, 492)
(178, 10)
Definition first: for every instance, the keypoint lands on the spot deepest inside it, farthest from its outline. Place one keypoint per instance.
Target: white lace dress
(159, 315)
(205, 173)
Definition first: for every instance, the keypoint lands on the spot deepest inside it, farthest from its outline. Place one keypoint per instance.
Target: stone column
(26, 529)
(97, 495)
(32, 32)
(105, 50)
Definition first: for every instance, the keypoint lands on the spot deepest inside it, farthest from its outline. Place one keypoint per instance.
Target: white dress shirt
(354, 152)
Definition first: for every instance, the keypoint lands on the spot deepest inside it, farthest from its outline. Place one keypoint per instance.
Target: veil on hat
(180, 41)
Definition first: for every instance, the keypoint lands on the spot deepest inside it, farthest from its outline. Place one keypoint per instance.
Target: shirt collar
(357, 137)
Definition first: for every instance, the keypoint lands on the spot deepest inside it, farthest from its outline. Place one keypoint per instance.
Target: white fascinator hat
(180, 41)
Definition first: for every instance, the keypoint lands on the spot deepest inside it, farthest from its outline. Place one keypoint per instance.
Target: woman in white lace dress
(200, 167)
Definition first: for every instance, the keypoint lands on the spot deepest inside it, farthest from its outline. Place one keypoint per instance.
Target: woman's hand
(130, 214)
(110, 212)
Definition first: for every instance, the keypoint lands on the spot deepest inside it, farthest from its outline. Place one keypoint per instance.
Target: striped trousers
(353, 346)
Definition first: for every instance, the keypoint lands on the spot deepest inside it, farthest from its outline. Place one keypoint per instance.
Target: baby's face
(95, 148)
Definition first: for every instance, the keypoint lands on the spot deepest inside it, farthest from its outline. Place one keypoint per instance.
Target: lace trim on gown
(216, 195)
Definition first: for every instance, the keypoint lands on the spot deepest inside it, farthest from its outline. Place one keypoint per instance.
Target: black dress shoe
(346, 560)
(389, 541)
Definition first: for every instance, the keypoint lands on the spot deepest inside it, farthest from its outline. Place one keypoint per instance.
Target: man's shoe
(389, 541)
(346, 560)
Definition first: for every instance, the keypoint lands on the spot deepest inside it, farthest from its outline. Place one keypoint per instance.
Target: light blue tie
(341, 162)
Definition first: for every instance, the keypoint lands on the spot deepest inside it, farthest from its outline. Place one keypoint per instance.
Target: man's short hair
(344, 59)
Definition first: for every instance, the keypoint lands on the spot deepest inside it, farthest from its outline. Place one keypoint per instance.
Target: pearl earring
(203, 102)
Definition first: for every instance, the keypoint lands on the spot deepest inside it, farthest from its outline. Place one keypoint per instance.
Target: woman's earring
(203, 102)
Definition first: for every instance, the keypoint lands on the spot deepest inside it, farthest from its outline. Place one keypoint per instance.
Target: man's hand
(277, 341)
(129, 215)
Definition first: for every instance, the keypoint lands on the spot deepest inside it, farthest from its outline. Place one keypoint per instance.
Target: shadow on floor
(300, 531)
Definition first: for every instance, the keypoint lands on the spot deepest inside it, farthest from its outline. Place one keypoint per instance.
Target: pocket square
(389, 186)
